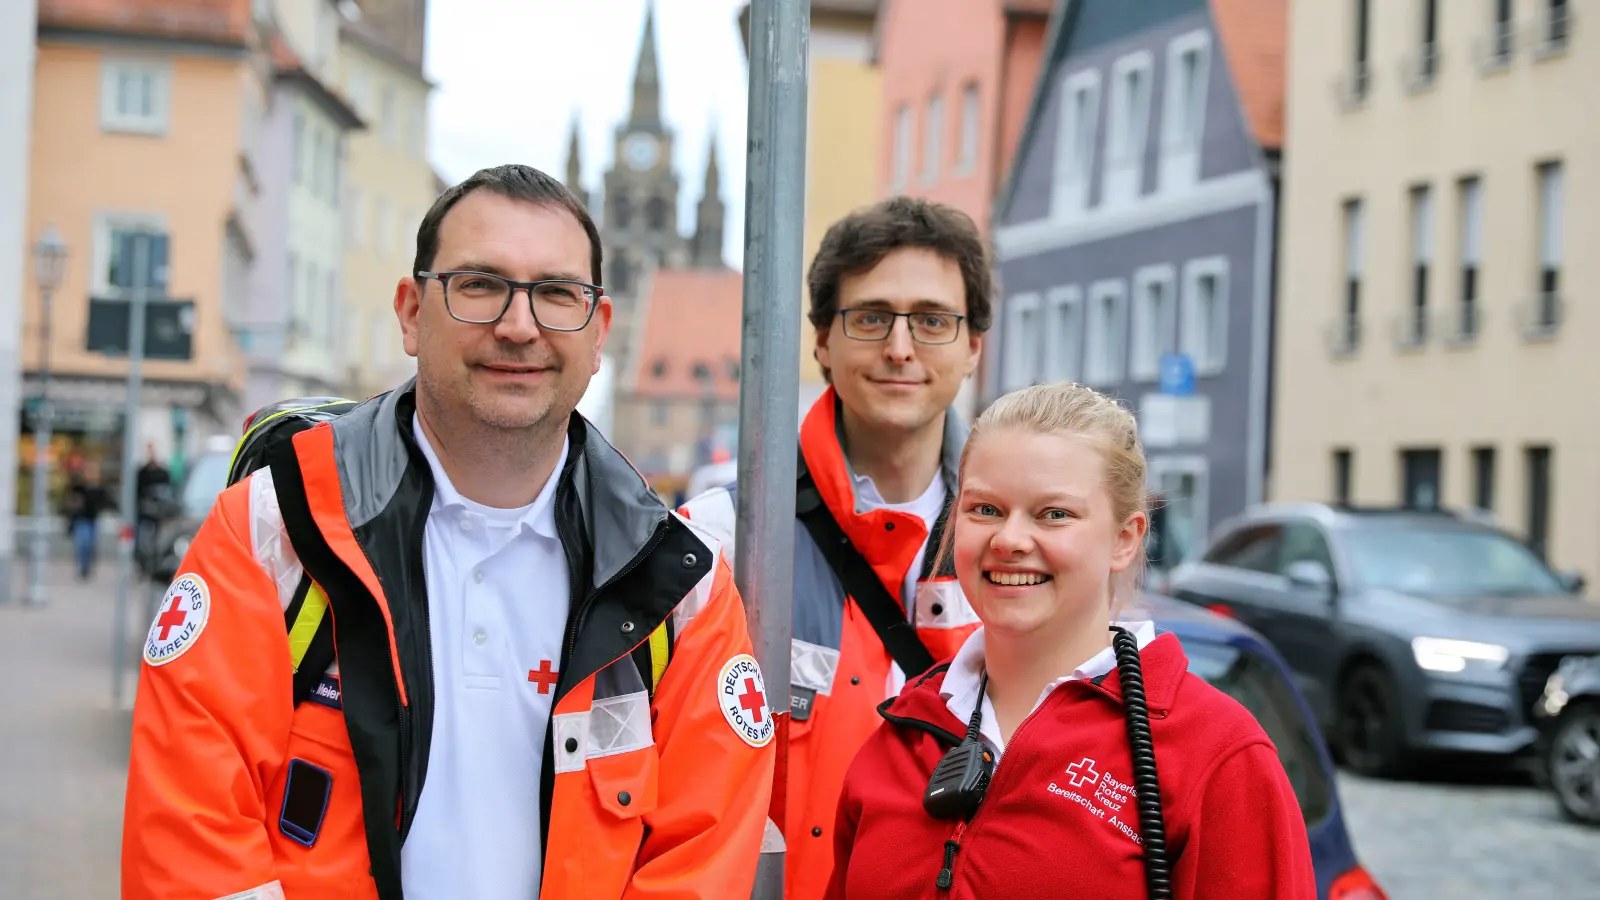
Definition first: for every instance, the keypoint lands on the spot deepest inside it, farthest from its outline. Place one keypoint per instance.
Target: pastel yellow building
(845, 102)
(142, 157)
(1441, 191)
(388, 188)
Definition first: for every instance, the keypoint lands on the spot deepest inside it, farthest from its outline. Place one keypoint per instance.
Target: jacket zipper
(406, 812)
(947, 874)
(953, 844)
(575, 622)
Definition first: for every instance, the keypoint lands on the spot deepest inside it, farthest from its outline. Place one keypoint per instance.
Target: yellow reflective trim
(658, 655)
(305, 624)
(255, 426)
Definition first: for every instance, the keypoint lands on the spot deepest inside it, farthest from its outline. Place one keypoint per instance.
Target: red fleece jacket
(1060, 819)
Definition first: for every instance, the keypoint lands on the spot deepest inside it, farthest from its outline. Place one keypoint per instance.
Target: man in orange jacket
(493, 568)
(901, 294)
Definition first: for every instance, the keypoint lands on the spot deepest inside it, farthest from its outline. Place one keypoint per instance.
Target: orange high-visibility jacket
(661, 794)
(839, 668)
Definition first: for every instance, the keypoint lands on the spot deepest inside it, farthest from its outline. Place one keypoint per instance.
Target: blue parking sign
(1177, 374)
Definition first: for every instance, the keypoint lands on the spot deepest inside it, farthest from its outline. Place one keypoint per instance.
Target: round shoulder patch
(742, 694)
(183, 614)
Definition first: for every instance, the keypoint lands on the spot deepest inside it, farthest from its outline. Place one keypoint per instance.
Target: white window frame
(1207, 350)
(292, 277)
(1128, 128)
(971, 128)
(1163, 465)
(1106, 338)
(332, 319)
(382, 226)
(1152, 334)
(1551, 178)
(1063, 333)
(1180, 146)
(1075, 142)
(107, 222)
(1021, 358)
(901, 171)
(933, 139)
(112, 117)
(1470, 197)
(389, 115)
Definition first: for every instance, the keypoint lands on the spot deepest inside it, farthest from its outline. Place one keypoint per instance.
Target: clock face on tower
(641, 151)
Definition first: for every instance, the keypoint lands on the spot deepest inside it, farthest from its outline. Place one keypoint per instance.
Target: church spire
(713, 184)
(706, 246)
(646, 77)
(575, 164)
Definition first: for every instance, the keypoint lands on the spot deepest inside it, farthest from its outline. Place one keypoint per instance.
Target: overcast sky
(512, 74)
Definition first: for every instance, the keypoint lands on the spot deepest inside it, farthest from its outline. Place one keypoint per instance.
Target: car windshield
(206, 479)
(1259, 686)
(1447, 562)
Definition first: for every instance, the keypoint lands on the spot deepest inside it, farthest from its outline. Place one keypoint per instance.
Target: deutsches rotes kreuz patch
(183, 614)
(743, 696)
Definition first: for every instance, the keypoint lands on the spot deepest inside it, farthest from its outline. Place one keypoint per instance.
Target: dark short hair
(518, 183)
(861, 240)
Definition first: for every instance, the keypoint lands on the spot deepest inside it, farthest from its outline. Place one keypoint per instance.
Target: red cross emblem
(752, 699)
(1079, 775)
(544, 676)
(171, 618)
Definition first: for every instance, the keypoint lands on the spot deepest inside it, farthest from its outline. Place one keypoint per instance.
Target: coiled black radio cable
(1146, 788)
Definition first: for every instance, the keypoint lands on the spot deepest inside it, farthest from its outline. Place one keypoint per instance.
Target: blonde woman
(1027, 766)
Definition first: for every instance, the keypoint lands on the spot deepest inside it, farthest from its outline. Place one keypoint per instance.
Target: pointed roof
(646, 74)
(713, 173)
(1254, 39)
(574, 155)
(224, 22)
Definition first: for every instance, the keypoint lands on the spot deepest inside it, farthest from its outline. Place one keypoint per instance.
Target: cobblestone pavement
(1469, 836)
(63, 743)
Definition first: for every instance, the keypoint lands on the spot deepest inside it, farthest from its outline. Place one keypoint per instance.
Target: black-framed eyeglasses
(478, 298)
(927, 326)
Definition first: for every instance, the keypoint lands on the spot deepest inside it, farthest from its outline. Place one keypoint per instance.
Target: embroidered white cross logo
(1079, 776)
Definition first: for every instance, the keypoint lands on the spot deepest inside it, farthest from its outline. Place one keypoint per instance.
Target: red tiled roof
(1254, 35)
(220, 21)
(284, 58)
(690, 319)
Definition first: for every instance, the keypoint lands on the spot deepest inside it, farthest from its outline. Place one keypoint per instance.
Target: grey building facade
(1136, 237)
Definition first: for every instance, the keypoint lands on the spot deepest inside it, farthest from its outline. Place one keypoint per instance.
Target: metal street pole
(130, 449)
(18, 51)
(769, 404)
(42, 427)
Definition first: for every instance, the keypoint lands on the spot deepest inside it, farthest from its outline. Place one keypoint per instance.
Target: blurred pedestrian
(85, 501)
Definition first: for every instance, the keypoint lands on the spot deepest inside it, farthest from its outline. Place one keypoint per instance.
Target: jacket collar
(922, 705)
(618, 512)
(822, 443)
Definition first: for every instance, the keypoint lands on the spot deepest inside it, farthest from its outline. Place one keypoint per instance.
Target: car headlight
(1447, 655)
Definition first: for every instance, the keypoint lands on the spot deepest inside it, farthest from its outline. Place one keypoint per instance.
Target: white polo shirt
(962, 679)
(498, 597)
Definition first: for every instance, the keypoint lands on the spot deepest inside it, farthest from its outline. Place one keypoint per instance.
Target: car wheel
(1367, 728)
(1573, 763)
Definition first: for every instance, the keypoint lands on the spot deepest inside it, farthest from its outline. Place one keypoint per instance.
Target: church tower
(575, 166)
(707, 244)
(640, 220)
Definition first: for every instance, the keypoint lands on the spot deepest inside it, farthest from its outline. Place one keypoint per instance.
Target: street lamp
(49, 265)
